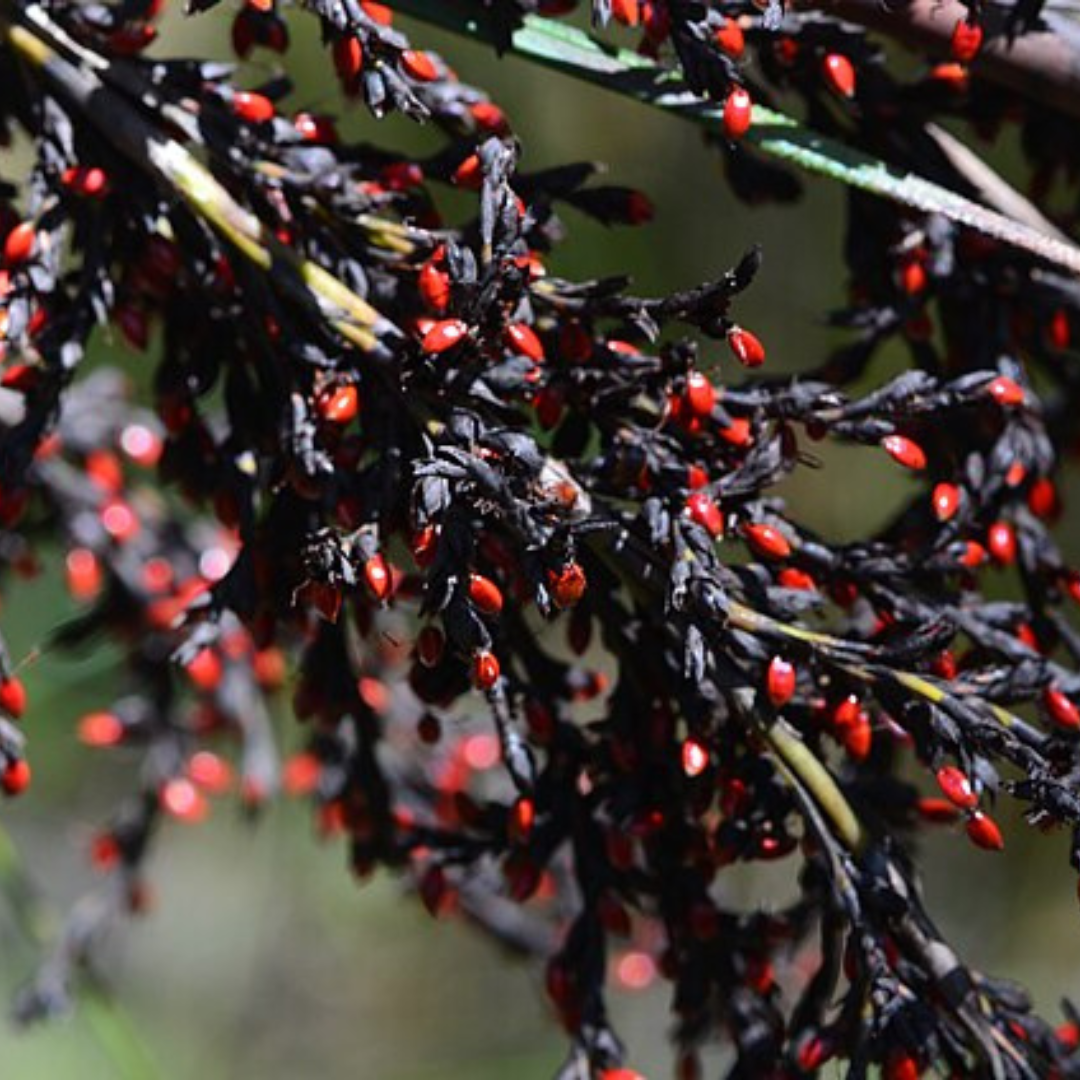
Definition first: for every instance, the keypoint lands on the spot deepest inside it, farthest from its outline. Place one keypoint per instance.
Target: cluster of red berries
(515, 542)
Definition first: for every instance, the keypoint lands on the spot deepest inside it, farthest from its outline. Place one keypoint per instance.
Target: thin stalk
(572, 52)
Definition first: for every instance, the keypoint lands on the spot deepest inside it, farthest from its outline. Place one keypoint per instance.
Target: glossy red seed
(82, 573)
(966, 41)
(521, 821)
(703, 511)
(700, 394)
(1001, 543)
(767, 541)
(1062, 709)
(340, 405)
(567, 585)
(88, 182)
(1042, 498)
(485, 594)
(695, 758)
(419, 65)
(485, 670)
(314, 128)
(839, 74)
(424, 544)
(983, 831)
(904, 451)
(627, 12)
(19, 244)
(15, 778)
(348, 56)
(434, 287)
(746, 347)
(945, 500)
(901, 1066)
(936, 810)
(252, 107)
(730, 38)
(182, 800)
(522, 340)
(378, 13)
(780, 681)
(791, 577)
(377, 577)
(13, 696)
(100, 729)
(1005, 391)
(210, 772)
(443, 336)
(1059, 330)
(972, 555)
(489, 116)
(858, 737)
(738, 113)
(956, 787)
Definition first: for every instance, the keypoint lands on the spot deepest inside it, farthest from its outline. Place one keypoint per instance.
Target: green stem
(572, 52)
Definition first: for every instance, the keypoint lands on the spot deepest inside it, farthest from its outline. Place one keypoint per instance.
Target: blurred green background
(262, 958)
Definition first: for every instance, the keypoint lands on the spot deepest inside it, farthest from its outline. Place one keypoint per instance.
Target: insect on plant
(386, 446)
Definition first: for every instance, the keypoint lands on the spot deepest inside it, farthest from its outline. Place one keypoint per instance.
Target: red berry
(181, 799)
(901, 1066)
(101, 729)
(700, 394)
(348, 59)
(88, 182)
(255, 108)
(1061, 708)
(434, 286)
(857, 737)
(780, 681)
(984, 832)
(443, 336)
(746, 346)
(13, 697)
(83, 573)
(966, 41)
(1001, 543)
(419, 65)
(956, 787)
(840, 74)
(1042, 498)
(1005, 391)
(15, 778)
(695, 758)
(627, 12)
(567, 585)
(946, 501)
(204, 669)
(485, 594)
(315, 129)
(738, 110)
(522, 818)
(340, 405)
(792, 577)
(703, 511)
(904, 451)
(19, 245)
(485, 669)
(767, 541)
(377, 13)
(973, 555)
(730, 38)
(522, 340)
(377, 577)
